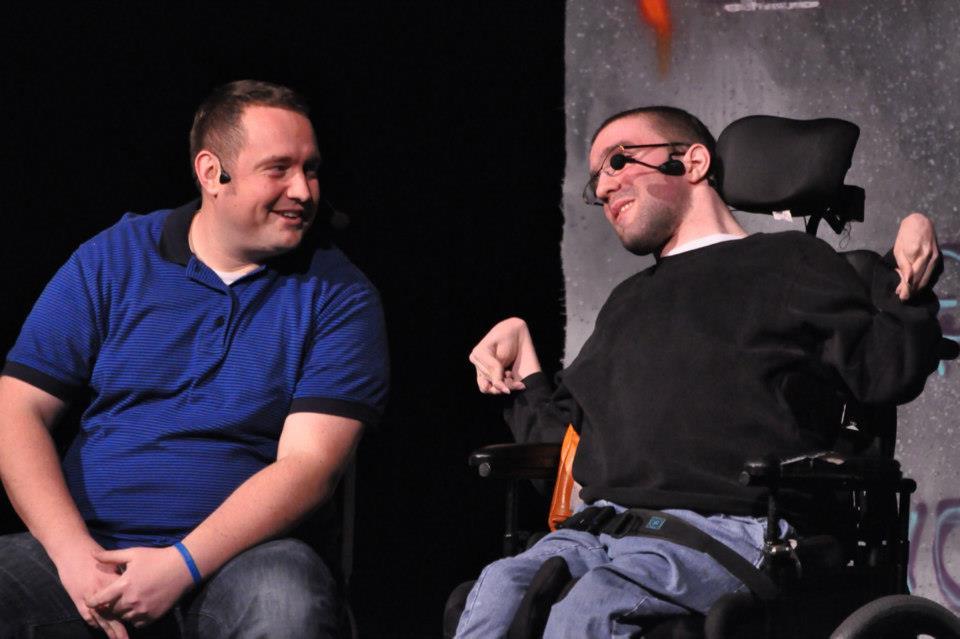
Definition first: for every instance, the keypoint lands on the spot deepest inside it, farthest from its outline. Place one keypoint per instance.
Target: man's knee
(581, 609)
(493, 602)
(31, 595)
(285, 579)
(507, 572)
(282, 586)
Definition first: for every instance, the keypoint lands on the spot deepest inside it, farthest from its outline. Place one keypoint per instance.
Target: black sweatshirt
(726, 353)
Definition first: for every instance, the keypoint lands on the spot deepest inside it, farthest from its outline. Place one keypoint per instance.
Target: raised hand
(504, 357)
(916, 252)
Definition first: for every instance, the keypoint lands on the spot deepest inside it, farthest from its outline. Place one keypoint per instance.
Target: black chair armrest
(947, 349)
(826, 469)
(516, 461)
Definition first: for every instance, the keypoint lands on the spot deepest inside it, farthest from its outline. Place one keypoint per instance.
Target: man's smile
(618, 207)
(294, 215)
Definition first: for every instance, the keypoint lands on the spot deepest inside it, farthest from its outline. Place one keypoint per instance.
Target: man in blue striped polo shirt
(233, 358)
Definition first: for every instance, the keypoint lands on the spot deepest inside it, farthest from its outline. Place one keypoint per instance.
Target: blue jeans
(280, 588)
(621, 581)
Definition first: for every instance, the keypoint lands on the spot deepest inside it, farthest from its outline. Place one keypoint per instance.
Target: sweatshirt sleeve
(881, 348)
(541, 413)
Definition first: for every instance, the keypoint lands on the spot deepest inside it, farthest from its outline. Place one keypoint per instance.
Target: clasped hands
(134, 586)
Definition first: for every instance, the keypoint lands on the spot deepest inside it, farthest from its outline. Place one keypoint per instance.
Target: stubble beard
(658, 222)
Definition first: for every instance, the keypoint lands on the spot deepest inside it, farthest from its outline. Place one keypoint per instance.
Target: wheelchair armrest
(826, 469)
(516, 461)
(948, 349)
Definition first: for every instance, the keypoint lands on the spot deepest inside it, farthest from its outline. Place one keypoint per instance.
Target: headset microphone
(670, 167)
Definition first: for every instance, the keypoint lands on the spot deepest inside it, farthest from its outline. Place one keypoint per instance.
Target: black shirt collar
(174, 245)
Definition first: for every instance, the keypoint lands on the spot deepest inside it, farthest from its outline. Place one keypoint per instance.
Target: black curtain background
(441, 125)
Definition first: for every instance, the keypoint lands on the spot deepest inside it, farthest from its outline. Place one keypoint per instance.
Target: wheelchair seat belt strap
(654, 523)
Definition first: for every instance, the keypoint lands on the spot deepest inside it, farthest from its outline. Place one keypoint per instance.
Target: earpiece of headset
(224, 176)
(672, 166)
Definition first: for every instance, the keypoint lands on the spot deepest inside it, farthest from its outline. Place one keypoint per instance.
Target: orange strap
(560, 505)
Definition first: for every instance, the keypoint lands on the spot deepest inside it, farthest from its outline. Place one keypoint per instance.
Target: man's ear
(206, 166)
(698, 161)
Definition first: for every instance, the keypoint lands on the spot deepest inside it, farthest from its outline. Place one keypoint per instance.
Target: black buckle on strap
(626, 523)
(591, 519)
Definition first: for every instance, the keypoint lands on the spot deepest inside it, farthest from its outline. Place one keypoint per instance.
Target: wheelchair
(848, 582)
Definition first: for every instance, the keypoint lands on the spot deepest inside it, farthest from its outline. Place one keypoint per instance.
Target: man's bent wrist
(191, 564)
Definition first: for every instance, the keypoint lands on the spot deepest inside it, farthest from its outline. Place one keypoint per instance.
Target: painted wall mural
(935, 515)
(944, 517)
(890, 66)
(949, 293)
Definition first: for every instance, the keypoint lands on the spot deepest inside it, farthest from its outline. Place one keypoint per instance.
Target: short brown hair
(677, 125)
(216, 124)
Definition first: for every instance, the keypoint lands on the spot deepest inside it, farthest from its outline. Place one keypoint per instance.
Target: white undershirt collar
(700, 242)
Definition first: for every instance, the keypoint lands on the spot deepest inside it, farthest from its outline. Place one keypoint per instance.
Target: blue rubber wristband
(188, 559)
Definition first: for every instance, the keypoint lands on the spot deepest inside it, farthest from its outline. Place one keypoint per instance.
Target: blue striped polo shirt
(192, 379)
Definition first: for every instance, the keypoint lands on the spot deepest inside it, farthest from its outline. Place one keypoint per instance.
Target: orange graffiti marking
(656, 13)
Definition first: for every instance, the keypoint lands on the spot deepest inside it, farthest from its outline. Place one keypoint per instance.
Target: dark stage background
(442, 129)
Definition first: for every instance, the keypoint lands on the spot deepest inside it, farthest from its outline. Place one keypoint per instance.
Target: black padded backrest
(770, 163)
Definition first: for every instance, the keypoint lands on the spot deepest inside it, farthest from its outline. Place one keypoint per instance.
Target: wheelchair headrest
(770, 163)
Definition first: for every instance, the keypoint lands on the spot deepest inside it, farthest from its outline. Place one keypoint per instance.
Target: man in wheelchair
(731, 347)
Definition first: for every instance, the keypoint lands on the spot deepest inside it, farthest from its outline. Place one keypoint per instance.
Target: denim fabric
(277, 589)
(621, 581)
